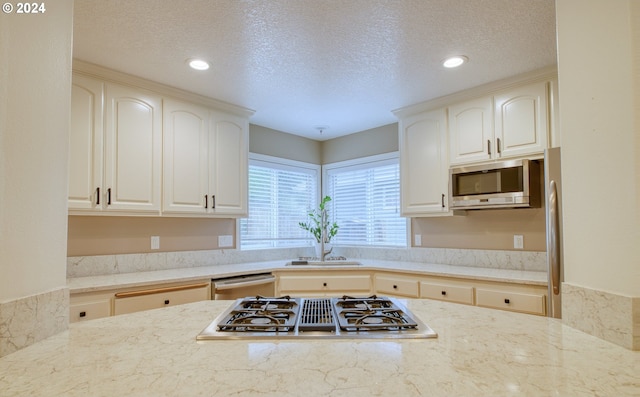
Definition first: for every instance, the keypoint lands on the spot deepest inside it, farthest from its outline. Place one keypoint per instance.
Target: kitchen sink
(323, 263)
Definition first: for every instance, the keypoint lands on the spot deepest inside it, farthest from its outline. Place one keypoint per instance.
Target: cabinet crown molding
(544, 74)
(101, 72)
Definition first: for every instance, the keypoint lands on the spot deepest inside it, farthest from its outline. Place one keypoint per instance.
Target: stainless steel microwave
(506, 184)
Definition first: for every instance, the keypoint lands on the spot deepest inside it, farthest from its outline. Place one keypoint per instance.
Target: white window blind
(281, 192)
(366, 202)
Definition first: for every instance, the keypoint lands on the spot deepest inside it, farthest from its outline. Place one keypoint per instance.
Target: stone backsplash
(82, 266)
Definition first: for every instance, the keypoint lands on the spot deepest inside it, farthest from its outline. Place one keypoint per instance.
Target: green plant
(319, 222)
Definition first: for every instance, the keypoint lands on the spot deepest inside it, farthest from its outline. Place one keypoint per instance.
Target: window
(281, 192)
(365, 201)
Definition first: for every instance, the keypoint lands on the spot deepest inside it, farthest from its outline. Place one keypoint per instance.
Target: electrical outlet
(225, 241)
(155, 242)
(417, 240)
(518, 241)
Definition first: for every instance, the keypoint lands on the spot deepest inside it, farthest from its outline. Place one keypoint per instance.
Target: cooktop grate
(317, 315)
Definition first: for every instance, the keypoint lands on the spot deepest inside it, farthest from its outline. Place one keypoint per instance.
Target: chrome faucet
(323, 238)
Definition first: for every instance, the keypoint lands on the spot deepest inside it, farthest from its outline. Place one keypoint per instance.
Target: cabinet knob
(395, 287)
(507, 301)
(83, 314)
(444, 293)
(324, 284)
(166, 301)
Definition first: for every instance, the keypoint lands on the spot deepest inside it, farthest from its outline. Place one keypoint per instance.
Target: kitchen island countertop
(478, 352)
(124, 280)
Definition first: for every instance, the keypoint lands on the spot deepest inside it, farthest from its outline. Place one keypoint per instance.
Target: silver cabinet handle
(553, 241)
(489, 147)
(499, 146)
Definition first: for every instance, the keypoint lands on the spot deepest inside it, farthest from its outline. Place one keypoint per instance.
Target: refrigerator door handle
(553, 241)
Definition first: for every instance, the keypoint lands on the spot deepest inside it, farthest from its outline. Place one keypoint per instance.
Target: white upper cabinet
(522, 120)
(186, 156)
(424, 165)
(512, 123)
(153, 150)
(133, 149)
(229, 162)
(116, 168)
(205, 161)
(471, 130)
(86, 144)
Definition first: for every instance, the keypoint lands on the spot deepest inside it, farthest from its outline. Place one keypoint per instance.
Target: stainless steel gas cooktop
(316, 318)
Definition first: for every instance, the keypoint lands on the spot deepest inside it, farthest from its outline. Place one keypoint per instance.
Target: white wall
(35, 83)
(599, 77)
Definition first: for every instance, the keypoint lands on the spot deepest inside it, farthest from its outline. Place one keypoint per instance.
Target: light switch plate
(225, 241)
(155, 242)
(417, 240)
(518, 241)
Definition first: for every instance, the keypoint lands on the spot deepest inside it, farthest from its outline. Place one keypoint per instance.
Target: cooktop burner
(346, 317)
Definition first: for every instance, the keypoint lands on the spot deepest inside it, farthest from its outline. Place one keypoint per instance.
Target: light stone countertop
(478, 352)
(124, 280)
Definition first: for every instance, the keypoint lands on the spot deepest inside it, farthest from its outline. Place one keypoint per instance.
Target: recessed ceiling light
(198, 64)
(454, 62)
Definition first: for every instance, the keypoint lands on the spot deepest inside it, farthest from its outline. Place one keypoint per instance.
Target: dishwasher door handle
(242, 282)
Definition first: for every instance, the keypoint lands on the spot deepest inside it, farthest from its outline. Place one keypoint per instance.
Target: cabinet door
(447, 292)
(185, 157)
(133, 149)
(521, 120)
(514, 301)
(135, 301)
(397, 286)
(85, 143)
(228, 164)
(89, 310)
(424, 165)
(322, 285)
(471, 131)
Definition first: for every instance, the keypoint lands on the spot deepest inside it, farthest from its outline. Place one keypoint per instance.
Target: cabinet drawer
(89, 310)
(514, 301)
(135, 301)
(326, 283)
(449, 293)
(397, 286)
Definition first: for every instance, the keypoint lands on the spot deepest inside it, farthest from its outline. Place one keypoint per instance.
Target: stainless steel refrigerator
(553, 207)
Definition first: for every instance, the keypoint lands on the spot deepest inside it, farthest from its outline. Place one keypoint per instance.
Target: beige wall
(35, 97)
(485, 229)
(361, 144)
(102, 235)
(599, 95)
(270, 142)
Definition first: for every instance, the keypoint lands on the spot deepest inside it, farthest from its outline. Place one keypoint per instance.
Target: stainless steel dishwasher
(262, 284)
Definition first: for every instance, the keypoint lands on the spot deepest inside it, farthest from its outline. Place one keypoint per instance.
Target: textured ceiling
(299, 64)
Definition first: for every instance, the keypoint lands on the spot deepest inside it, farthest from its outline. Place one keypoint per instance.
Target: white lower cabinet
(89, 306)
(396, 285)
(445, 291)
(497, 295)
(321, 284)
(525, 302)
(155, 298)
(92, 305)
